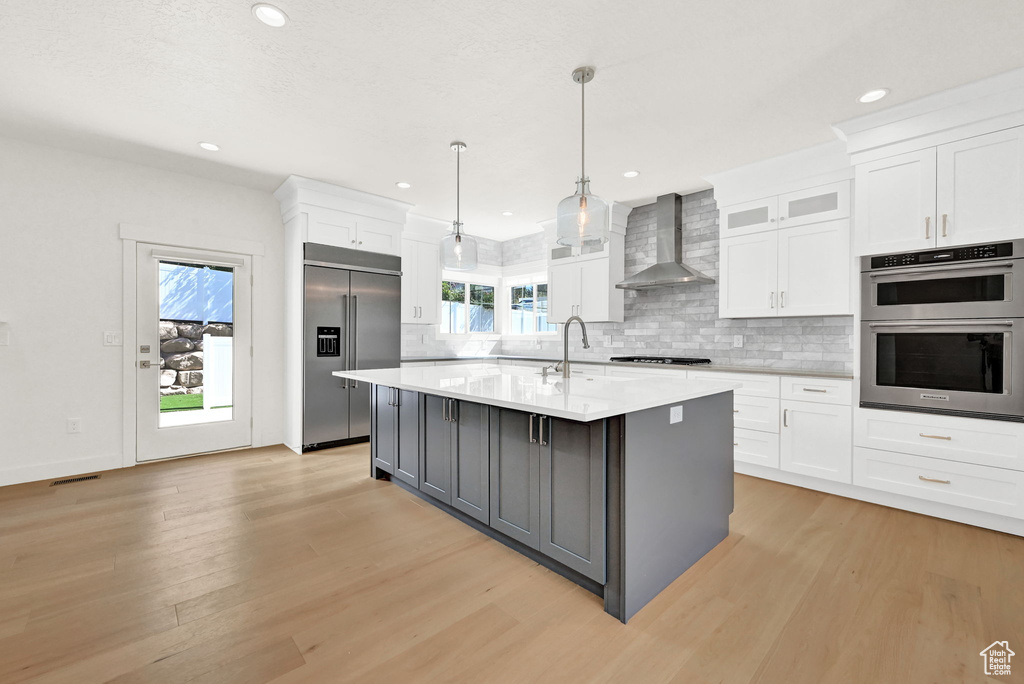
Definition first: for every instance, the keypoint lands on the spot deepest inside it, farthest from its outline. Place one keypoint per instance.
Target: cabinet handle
(540, 424)
(819, 391)
(735, 443)
(771, 220)
(932, 479)
(782, 218)
(444, 410)
(453, 411)
(945, 218)
(948, 439)
(398, 397)
(532, 438)
(782, 299)
(785, 417)
(771, 300)
(353, 242)
(420, 309)
(927, 227)
(735, 410)
(360, 242)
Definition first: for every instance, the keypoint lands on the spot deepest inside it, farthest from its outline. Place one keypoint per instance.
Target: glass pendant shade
(458, 251)
(582, 218)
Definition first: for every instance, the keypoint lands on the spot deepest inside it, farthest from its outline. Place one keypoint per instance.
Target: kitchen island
(619, 484)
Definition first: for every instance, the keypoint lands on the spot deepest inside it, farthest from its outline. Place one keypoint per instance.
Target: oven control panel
(999, 250)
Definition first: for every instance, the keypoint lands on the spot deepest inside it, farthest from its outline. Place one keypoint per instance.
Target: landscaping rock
(194, 390)
(168, 391)
(188, 361)
(168, 330)
(218, 330)
(163, 363)
(198, 345)
(190, 378)
(192, 331)
(178, 344)
(167, 377)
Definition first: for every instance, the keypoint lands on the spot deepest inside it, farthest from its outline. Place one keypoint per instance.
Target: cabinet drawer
(755, 413)
(822, 390)
(965, 440)
(993, 490)
(754, 446)
(753, 385)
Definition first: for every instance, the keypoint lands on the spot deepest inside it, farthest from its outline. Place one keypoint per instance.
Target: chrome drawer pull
(819, 391)
(948, 439)
(932, 479)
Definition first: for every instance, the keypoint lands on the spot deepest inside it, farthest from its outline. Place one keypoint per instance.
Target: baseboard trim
(966, 516)
(58, 469)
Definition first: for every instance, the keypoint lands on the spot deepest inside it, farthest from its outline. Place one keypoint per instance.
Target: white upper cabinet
(803, 271)
(342, 229)
(895, 205)
(981, 189)
(959, 193)
(749, 217)
(749, 274)
(814, 270)
(814, 205)
(421, 282)
(585, 289)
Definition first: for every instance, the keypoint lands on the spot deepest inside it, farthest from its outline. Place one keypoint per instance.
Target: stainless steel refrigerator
(351, 321)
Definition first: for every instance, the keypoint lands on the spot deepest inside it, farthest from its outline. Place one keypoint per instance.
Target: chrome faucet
(565, 339)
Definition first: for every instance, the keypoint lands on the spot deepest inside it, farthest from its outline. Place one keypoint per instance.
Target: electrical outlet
(112, 339)
(74, 425)
(737, 340)
(675, 415)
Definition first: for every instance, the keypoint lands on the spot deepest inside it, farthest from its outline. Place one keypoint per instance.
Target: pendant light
(458, 251)
(582, 217)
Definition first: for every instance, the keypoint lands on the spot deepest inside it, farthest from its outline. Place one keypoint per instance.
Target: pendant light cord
(583, 127)
(458, 190)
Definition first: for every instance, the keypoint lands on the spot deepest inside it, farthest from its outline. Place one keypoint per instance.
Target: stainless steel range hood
(670, 269)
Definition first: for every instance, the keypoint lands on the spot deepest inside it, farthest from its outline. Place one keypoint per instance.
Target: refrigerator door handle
(344, 320)
(354, 359)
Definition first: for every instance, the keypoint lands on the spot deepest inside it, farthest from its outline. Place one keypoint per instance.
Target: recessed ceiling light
(631, 174)
(506, 213)
(269, 15)
(873, 95)
(209, 146)
(403, 185)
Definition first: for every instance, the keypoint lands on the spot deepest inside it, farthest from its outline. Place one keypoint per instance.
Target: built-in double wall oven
(938, 331)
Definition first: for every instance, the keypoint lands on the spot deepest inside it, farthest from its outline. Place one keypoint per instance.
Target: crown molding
(297, 191)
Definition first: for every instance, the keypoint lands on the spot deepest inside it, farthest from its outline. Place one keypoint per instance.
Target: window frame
(479, 279)
(528, 279)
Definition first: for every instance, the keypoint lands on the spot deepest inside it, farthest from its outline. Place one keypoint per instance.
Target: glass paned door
(193, 361)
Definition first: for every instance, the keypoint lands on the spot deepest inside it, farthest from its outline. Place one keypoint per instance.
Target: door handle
(533, 440)
(352, 331)
(927, 227)
(344, 321)
(145, 364)
(945, 218)
(540, 423)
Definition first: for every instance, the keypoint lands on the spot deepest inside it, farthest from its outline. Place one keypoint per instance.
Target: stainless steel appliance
(679, 360)
(352, 321)
(937, 331)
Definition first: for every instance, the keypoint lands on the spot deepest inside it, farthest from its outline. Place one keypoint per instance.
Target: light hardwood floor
(263, 566)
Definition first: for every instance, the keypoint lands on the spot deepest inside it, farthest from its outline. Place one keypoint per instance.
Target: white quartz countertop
(525, 389)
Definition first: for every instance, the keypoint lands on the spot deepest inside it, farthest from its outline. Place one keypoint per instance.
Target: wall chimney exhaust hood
(670, 269)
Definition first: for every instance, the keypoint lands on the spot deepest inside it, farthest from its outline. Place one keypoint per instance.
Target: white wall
(61, 282)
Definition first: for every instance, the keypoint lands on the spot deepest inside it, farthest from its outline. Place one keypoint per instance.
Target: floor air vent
(74, 479)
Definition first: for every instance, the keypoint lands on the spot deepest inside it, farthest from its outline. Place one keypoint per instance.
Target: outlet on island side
(74, 425)
(737, 340)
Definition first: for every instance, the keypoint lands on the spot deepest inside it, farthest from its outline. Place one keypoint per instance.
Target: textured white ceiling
(368, 93)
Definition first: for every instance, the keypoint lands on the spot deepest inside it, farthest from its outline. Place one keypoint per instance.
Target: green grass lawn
(183, 402)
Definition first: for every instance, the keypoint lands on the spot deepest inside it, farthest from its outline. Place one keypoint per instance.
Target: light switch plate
(112, 339)
(675, 415)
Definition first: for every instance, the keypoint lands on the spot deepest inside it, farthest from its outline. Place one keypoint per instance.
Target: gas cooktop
(677, 360)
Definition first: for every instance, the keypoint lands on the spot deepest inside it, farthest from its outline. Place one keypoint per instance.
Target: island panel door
(407, 458)
(436, 450)
(385, 415)
(514, 502)
(470, 459)
(572, 495)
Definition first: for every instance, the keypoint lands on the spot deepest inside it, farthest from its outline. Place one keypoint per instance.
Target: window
(528, 312)
(462, 301)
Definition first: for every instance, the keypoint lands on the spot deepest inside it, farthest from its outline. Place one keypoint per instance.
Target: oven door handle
(943, 324)
(925, 270)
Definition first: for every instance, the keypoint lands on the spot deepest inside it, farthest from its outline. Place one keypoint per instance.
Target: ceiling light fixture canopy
(402, 185)
(269, 14)
(209, 146)
(582, 218)
(458, 251)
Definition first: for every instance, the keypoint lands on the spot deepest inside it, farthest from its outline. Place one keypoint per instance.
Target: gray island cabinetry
(621, 504)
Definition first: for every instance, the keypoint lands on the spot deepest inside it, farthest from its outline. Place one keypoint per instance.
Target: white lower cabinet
(981, 488)
(755, 413)
(816, 440)
(754, 446)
